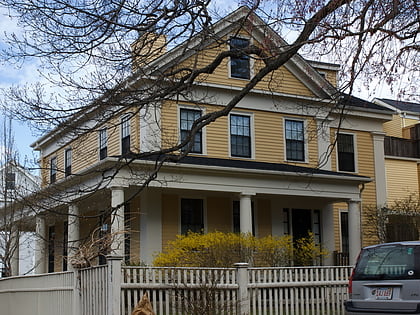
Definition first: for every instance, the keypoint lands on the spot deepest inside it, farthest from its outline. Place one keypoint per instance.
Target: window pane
(10, 180)
(295, 140)
(53, 170)
(345, 147)
(103, 143)
(187, 117)
(68, 158)
(388, 262)
(125, 135)
(240, 139)
(192, 218)
(239, 66)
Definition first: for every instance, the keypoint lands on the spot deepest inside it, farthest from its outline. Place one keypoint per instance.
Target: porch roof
(263, 166)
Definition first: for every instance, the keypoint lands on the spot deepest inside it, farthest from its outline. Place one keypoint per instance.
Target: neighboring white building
(16, 182)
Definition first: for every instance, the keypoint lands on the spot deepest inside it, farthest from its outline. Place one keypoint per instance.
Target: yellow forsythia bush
(218, 249)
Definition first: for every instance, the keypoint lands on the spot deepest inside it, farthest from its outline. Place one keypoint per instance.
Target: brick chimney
(148, 47)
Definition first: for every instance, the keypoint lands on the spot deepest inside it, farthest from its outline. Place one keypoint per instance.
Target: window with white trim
(67, 162)
(239, 65)
(10, 181)
(192, 215)
(103, 143)
(125, 134)
(240, 135)
(187, 118)
(345, 150)
(53, 170)
(295, 140)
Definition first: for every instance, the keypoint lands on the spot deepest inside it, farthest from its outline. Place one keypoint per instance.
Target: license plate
(383, 293)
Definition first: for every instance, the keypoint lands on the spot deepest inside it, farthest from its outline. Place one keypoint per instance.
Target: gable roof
(304, 70)
(297, 65)
(17, 168)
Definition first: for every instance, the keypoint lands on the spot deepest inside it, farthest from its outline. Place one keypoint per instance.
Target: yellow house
(402, 158)
(270, 166)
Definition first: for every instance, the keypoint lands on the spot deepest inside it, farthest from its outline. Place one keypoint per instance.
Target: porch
(114, 289)
(223, 195)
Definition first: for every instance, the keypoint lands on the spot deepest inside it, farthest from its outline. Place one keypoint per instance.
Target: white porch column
(355, 243)
(324, 143)
(380, 176)
(40, 245)
(327, 233)
(14, 247)
(73, 235)
(245, 205)
(150, 224)
(117, 221)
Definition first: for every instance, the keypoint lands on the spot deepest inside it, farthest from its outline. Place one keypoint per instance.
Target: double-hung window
(192, 215)
(125, 134)
(103, 144)
(295, 140)
(240, 135)
(67, 162)
(10, 180)
(53, 170)
(345, 149)
(239, 64)
(187, 118)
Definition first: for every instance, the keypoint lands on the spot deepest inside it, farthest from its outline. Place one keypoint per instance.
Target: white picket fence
(115, 290)
(258, 291)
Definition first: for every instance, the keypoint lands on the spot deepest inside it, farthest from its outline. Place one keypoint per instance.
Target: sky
(13, 75)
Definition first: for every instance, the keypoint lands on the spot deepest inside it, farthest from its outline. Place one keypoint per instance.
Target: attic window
(239, 66)
(10, 183)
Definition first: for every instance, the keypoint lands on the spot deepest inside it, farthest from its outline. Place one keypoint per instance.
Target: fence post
(243, 280)
(114, 284)
(77, 293)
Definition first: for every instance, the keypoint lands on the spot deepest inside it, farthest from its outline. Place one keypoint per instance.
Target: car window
(387, 262)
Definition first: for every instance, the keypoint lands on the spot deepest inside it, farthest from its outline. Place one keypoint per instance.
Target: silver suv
(386, 280)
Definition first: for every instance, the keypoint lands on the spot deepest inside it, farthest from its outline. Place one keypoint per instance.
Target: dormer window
(240, 65)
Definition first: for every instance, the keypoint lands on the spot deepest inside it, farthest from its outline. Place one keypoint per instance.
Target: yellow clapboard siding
(170, 218)
(393, 128)
(264, 217)
(217, 138)
(365, 167)
(402, 179)
(269, 143)
(281, 81)
(219, 214)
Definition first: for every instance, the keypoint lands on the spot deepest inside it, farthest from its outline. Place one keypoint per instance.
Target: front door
(301, 223)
